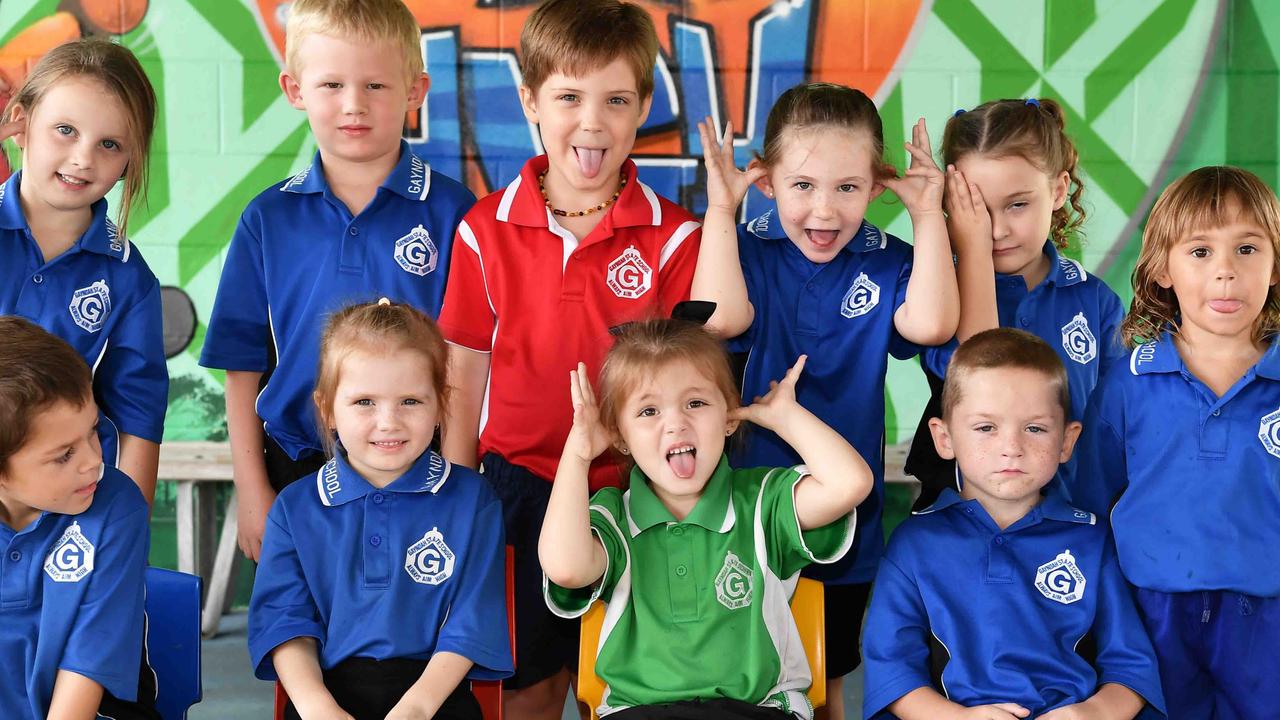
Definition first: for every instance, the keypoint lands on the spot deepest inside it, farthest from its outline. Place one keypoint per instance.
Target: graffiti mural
(1152, 88)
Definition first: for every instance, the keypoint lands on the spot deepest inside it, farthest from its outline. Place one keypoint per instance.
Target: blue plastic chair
(173, 639)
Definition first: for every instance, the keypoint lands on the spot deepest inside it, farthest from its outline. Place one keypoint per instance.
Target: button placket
(377, 548)
(680, 576)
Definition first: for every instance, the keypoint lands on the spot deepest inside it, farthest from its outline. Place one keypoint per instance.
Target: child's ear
(418, 91)
(764, 184)
(292, 91)
(1060, 186)
(1163, 280)
(941, 438)
(731, 427)
(645, 106)
(1069, 437)
(529, 103)
(18, 114)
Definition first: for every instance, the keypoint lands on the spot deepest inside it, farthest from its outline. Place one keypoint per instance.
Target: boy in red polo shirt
(540, 271)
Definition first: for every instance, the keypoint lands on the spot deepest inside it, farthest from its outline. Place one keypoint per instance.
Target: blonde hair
(371, 21)
(824, 105)
(1004, 349)
(1034, 130)
(118, 71)
(382, 328)
(1201, 199)
(643, 347)
(577, 36)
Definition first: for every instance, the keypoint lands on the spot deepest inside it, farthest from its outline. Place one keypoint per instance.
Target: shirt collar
(338, 483)
(100, 237)
(1063, 271)
(410, 178)
(1051, 508)
(713, 511)
(522, 202)
(1161, 356)
(768, 227)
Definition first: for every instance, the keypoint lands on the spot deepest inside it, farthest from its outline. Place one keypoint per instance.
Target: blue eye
(411, 401)
(64, 129)
(363, 402)
(985, 428)
(567, 97)
(802, 185)
(111, 144)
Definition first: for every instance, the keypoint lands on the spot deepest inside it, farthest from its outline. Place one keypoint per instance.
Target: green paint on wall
(236, 24)
(39, 11)
(1117, 70)
(143, 45)
(1253, 97)
(1065, 22)
(1005, 72)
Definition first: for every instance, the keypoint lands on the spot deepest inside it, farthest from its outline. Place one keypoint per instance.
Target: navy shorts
(719, 709)
(545, 642)
(368, 689)
(844, 608)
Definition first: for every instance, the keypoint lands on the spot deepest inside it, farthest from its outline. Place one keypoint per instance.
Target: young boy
(74, 538)
(995, 602)
(367, 219)
(541, 270)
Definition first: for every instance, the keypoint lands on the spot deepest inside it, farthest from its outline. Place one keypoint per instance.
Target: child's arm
(298, 665)
(570, 555)
(929, 314)
(718, 276)
(969, 225)
(140, 460)
(75, 697)
(838, 477)
(927, 704)
(421, 702)
(249, 470)
(1111, 702)
(468, 375)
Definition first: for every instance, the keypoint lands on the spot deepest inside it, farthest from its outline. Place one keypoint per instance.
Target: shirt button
(377, 498)
(682, 570)
(999, 540)
(354, 231)
(37, 279)
(375, 540)
(1023, 322)
(15, 556)
(1217, 412)
(968, 511)
(677, 531)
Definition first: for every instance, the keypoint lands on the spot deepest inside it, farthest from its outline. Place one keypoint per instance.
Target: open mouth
(88, 489)
(71, 180)
(821, 239)
(589, 160)
(388, 444)
(682, 459)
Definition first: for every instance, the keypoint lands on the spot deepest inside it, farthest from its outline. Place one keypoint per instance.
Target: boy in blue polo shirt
(988, 602)
(74, 538)
(367, 219)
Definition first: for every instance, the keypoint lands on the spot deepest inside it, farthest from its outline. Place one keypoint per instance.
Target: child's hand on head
(587, 438)
(777, 407)
(920, 189)
(726, 184)
(968, 222)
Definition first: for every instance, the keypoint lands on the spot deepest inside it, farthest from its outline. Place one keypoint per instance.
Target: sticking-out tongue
(682, 464)
(589, 160)
(823, 237)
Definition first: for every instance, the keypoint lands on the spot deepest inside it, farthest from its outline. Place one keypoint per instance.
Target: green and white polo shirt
(701, 608)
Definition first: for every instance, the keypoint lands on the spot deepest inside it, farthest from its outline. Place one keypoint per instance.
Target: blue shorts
(1217, 653)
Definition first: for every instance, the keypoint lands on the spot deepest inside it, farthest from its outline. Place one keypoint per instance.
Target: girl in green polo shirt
(695, 560)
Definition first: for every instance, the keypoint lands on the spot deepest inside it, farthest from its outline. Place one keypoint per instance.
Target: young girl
(381, 584)
(83, 120)
(74, 538)
(1013, 203)
(1189, 435)
(696, 560)
(814, 277)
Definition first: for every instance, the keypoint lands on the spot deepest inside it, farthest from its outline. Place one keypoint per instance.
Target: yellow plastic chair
(806, 607)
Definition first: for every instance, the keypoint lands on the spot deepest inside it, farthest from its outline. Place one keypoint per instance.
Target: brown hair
(824, 105)
(372, 21)
(1201, 199)
(37, 370)
(117, 70)
(381, 327)
(574, 37)
(1034, 130)
(1004, 348)
(643, 347)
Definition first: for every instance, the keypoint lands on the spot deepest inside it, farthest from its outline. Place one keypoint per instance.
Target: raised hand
(726, 184)
(968, 222)
(920, 189)
(587, 438)
(779, 405)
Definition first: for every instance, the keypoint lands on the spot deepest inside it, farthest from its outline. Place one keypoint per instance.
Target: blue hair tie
(957, 113)
(1033, 101)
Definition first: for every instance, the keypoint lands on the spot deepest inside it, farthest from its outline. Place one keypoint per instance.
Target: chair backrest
(173, 639)
(806, 607)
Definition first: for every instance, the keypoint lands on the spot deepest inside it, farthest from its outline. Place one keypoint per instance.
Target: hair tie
(384, 301)
(957, 113)
(1033, 101)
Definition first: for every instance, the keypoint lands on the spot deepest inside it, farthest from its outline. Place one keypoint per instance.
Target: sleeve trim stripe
(676, 240)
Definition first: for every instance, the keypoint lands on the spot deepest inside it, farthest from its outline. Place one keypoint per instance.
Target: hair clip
(957, 113)
(384, 301)
(1033, 101)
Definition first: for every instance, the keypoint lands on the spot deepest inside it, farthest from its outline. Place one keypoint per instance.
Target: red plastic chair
(488, 692)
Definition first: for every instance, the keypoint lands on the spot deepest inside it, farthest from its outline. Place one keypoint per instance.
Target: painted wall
(1153, 88)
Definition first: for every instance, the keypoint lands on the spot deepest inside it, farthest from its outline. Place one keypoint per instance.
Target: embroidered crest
(1078, 340)
(71, 558)
(733, 583)
(1060, 579)
(416, 253)
(429, 561)
(1269, 432)
(629, 275)
(90, 306)
(862, 297)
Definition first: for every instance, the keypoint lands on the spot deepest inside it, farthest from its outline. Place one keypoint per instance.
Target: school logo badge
(416, 253)
(429, 561)
(1060, 579)
(1078, 340)
(71, 557)
(629, 275)
(862, 297)
(733, 583)
(1269, 432)
(90, 306)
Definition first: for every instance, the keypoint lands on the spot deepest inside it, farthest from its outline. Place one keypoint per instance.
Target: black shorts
(844, 607)
(144, 708)
(719, 709)
(545, 642)
(282, 470)
(369, 688)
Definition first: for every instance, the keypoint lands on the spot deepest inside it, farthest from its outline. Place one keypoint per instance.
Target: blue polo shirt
(839, 313)
(406, 571)
(298, 255)
(1007, 608)
(102, 299)
(1198, 475)
(71, 591)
